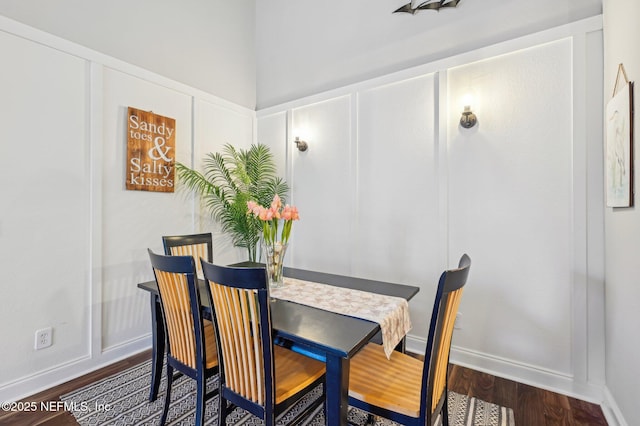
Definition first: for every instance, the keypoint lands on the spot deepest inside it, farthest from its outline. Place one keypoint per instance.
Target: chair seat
(210, 349)
(396, 384)
(294, 372)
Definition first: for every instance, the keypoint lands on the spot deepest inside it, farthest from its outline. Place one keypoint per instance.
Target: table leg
(157, 350)
(337, 392)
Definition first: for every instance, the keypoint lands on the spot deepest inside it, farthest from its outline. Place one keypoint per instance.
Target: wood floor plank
(556, 409)
(460, 379)
(585, 413)
(482, 386)
(530, 406)
(505, 392)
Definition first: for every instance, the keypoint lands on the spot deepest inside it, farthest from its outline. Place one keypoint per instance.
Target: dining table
(324, 335)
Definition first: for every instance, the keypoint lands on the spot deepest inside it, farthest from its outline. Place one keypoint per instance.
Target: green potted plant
(229, 180)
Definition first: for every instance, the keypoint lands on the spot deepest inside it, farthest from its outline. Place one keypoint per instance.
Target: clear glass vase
(273, 255)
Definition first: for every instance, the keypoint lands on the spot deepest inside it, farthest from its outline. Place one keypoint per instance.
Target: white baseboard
(522, 373)
(611, 411)
(43, 380)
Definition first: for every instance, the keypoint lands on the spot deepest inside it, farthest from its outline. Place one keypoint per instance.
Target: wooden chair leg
(200, 384)
(270, 420)
(445, 410)
(157, 353)
(167, 398)
(224, 409)
(221, 417)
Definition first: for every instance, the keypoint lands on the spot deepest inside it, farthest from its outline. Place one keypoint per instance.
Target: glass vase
(273, 254)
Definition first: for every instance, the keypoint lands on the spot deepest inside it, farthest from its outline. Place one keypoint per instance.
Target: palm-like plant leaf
(229, 180)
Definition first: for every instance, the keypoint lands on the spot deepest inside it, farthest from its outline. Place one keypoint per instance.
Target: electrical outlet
(458, 322)
(43, 338)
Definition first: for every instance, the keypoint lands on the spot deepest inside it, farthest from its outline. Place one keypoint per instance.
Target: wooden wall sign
(151, 149)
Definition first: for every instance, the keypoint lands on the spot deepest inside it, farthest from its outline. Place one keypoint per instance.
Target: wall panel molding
(577, 369)
(99, 305)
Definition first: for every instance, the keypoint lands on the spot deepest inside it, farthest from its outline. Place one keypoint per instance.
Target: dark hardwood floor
(531, 406)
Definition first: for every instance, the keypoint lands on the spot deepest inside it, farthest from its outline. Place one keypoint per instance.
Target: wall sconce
(468, 119)
(302, 145)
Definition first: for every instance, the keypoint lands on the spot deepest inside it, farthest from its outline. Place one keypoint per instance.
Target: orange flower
(276, 204)
(286, 212)
(270, 217)
(253, 207)
(294, 213)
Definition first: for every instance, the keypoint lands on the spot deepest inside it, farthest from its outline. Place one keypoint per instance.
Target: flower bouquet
(274, 247)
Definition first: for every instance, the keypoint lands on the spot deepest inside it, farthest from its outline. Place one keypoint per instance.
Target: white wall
(44, 214)
(316, 192)
(207, 44)
(622, 228)
(306, 47)
(511, 192)
(73, 240)
(510, 204)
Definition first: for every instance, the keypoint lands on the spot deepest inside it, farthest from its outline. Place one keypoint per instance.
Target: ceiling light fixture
(427, 5)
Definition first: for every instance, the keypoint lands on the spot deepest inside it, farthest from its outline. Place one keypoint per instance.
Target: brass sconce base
(301, 145)
(468, 119)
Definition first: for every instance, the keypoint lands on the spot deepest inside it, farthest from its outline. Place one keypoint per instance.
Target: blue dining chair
(191, 342)
(196, 245)
(405, 389)
(255, 375)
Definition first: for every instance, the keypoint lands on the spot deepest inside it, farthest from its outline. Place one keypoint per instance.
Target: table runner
(392, 313)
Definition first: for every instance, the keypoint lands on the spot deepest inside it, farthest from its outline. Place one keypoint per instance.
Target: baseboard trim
(611, 411)
(30, 385)
(522, 373)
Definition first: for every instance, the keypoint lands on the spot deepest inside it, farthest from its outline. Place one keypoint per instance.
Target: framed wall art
(151, 144)
(619, 144)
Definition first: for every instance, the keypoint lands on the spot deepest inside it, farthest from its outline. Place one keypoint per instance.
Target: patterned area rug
(122, 399)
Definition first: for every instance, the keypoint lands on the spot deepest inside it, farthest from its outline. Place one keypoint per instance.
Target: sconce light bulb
(467, 99)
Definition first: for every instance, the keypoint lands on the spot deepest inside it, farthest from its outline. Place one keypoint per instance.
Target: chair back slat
(196, 245)
(196, 250)
(442, 360)
(174, 294)
(225, 335)
(238, 316)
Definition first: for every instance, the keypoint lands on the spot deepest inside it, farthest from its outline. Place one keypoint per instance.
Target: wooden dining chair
(405, 389)
(196, 245)
(191, 343)
(255, 375)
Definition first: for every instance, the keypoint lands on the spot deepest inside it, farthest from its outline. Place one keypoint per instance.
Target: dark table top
(388, 289)
(380, 287)
(318, 329)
